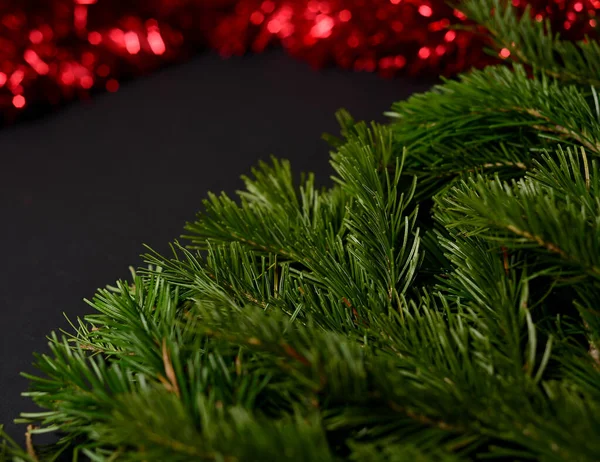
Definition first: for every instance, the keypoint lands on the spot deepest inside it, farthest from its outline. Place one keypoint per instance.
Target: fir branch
(533, 43)
(494, 121)
(500, 99)
(528, 214)
(294, 326)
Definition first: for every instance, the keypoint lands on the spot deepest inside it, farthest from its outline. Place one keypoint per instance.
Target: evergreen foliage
(438, 303)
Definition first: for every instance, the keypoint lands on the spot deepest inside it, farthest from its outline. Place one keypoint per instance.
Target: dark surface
(82, 189)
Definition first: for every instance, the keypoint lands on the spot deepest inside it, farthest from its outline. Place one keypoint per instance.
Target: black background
(81, 190)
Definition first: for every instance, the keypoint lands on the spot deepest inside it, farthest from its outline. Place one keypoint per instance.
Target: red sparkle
(33, 59)
(42, 56)
(400, 61)
(450, 36)
(274, 26)
(95, 38)
(155, 40)
(425, 10)
(313, 6)
(68, 77)
(36, 36)
(132, 42)
(80, 14)
(16, 78)
(112, 85)
(117, 36)
(377, 38)
(504, 53)
(459, 15)
(11, 21)
(86, 82)
(324, 7)
(323, 26)
(286, 11)
(18, 101)
(397, 26)
(286, 30)
(353, 41)
(268, 6)
(88, 58)
(438, 25)
(257, 18)
(46, 31)
(386, 62)
(345, 15)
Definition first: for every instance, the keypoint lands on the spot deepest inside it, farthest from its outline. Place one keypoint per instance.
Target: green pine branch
(491, 121)
(533, 43)
(562, 222)
(438, 302)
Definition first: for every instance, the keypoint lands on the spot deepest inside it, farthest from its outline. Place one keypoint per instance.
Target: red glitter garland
(55, 50)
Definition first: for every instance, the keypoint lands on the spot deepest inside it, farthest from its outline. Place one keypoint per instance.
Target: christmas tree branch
(533, 43)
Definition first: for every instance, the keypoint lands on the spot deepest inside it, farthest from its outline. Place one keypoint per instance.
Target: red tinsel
(52, 50)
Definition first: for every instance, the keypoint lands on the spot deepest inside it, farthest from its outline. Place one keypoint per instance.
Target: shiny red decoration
(56, 50)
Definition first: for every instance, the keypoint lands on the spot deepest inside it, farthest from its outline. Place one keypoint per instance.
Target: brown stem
(424, 419)
(548, 246)
(29, 443)
(171, 381)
